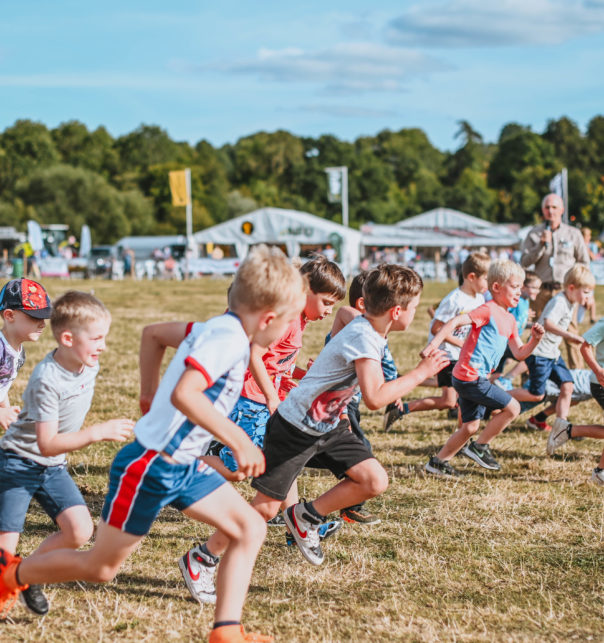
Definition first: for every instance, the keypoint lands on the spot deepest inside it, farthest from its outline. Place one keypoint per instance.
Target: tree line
(119, 186)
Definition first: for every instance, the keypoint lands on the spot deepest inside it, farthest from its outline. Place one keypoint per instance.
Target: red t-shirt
(279, 361)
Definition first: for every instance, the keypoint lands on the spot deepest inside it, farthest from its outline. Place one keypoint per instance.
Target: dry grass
(513, 556)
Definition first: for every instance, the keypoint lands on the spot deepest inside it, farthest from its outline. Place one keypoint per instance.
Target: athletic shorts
(542, 369)
(597, 392)
(22, 479)
(443, 377)
(477, 396)
(142, 483)
(287, 451)
(252, 418)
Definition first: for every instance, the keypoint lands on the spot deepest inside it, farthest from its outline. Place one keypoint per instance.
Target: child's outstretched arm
(521, 351)
(187, 397)
(550, 327)
(587, 350)
(258, 370)
(52, 443)
(445, 332)
(154, 340)
(343, 317)
(450, 338)
(378, 393)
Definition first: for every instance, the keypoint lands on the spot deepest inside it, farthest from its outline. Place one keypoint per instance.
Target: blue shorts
(542, 369)
(142, 483)
(477, 396)
(22, 479)
(252, 417)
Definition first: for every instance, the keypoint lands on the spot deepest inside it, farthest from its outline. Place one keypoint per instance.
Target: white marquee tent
(290, 228)
(441, 227)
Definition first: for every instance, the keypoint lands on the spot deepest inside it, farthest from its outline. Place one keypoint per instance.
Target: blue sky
(223, 70)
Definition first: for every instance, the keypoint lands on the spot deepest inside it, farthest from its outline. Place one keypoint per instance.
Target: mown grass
(511, 556)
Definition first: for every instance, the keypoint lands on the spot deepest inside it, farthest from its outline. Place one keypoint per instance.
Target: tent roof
(276, 225)
(446, 219)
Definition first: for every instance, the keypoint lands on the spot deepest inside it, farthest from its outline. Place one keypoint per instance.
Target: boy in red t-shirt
(493, 328)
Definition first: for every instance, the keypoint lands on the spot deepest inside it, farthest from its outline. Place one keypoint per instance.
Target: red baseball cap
(26, 295)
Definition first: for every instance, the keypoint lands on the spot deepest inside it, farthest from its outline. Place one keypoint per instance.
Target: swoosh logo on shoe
(302, 535)
(191, 574)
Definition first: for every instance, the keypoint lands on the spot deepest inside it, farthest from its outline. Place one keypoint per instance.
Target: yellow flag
(178, 187)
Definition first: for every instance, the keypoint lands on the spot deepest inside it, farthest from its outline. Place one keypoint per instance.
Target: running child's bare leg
(498, 422)
(564, 400)
(75, 529)
(245, 531)
(447, 400)
(97, 565)
(456, 442)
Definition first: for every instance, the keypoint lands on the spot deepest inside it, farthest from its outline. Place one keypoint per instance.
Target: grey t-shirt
(52, 394)
(316, 404)
(560, 312)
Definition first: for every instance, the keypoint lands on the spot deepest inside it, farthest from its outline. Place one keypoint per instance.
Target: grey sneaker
(442, 468)
(597, 476)
(305, 530)
(391, 415)
(559, 434)
(198, 573)
(482, 455)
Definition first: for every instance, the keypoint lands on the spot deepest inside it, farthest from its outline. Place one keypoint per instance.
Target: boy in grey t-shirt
(55, 404)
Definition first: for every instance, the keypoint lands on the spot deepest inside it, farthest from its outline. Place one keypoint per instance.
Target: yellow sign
(178, 187)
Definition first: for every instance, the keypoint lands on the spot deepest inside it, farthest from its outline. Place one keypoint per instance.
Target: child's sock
(225, 623)
(541, 417)
(313, 512)
(209, 559)
(405, 408)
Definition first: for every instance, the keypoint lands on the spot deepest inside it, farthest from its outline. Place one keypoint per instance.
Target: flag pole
(565, 194)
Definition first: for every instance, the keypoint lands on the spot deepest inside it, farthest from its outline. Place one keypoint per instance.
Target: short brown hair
(530, 277)
(355, 292)
(579, 276)
(75, 309)
(266, 280)
(476, 262)
(390, 285)
(324, 276)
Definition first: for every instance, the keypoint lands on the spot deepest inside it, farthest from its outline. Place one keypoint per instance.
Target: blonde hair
(266, 280)
(502, 270)
(579, 276)
(75, 309)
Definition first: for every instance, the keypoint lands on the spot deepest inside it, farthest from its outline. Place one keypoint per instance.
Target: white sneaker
(198, 575)
(558, 435)
(305, 531)
(597, 476)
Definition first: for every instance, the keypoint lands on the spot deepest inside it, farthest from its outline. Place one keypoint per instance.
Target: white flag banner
(334, 184)
(556, 185)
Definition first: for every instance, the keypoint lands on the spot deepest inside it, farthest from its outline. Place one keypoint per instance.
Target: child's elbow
(46, 450)
(372, 404)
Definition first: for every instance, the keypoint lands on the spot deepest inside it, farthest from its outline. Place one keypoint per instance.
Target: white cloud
(477, 23)
(341, 68)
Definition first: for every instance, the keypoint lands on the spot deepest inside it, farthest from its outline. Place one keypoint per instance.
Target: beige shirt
(551, 264)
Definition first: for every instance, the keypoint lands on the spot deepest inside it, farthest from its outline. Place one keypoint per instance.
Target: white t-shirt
(560, 312)
(10, 363)
(595, 337)
(457, 302)
(316, 404)
(220, 350)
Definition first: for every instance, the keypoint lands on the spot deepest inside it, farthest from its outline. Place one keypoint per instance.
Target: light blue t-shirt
(520, 313)
(595, 337)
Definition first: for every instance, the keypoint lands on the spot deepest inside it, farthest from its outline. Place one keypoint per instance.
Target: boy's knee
(103, 573)
(79, 534)
(374, 478)
(513, 408)
(254, 528)
(566, 388)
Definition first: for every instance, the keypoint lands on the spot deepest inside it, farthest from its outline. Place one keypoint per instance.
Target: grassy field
(510, 556)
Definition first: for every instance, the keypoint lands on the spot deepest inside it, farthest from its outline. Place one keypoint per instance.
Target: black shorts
(597, 392)
(287, 450)
(443, 377)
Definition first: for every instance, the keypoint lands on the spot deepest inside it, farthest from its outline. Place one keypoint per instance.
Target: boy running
(55, 403)
(307, 424)
(24, 307)
(563, 430)
(194, 398)
(493, 327)
(546, 361)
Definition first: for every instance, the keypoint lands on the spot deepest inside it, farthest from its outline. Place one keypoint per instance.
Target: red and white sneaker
(305, 530)
(198, 573)
(533, 423)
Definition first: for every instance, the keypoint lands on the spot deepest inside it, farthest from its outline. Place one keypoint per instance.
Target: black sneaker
(277, 521)
(442, 468)
(482, 455)
(391, 415)
(34, 599)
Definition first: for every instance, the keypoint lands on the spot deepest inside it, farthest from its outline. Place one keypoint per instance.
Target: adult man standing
(554, 248)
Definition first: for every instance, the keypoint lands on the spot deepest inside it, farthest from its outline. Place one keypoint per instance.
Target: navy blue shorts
(444, 377)
(142, 482)
(22, 479)
(542, 369)
(477, 396)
